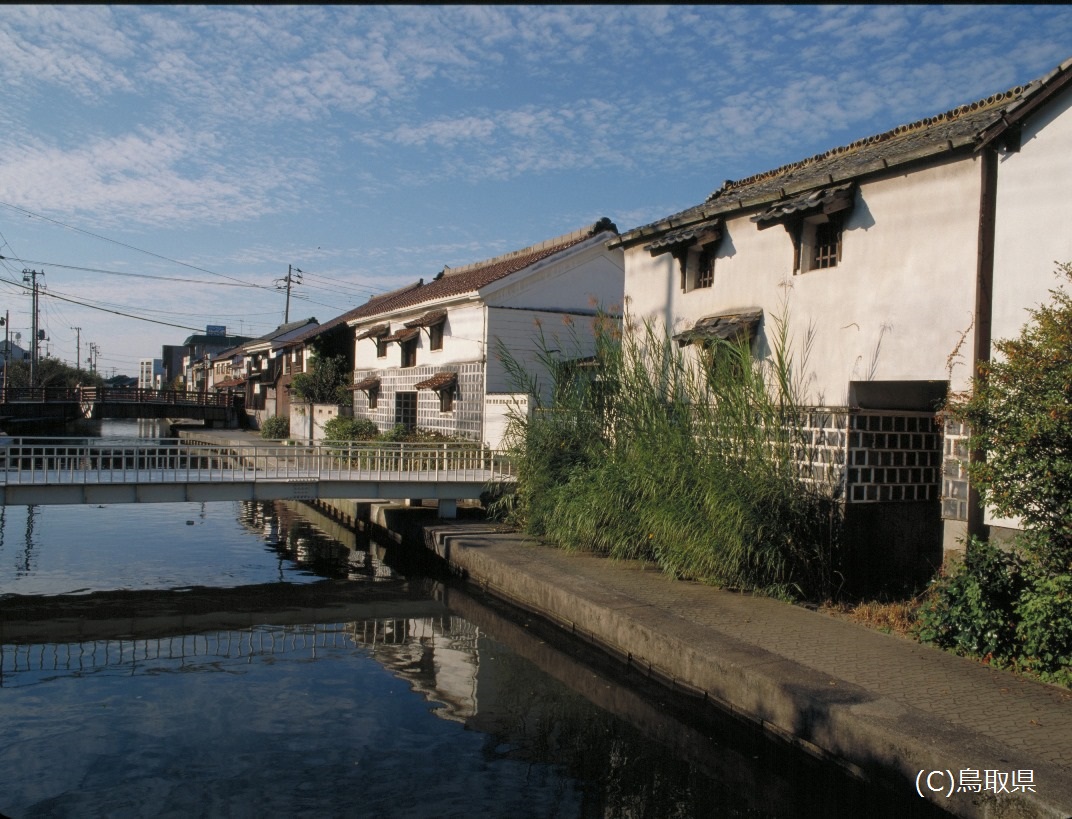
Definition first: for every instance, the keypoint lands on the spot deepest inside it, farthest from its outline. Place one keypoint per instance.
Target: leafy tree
(51, 372)
(324, 383)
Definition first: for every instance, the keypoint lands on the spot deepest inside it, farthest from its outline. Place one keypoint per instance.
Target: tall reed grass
(700, 463)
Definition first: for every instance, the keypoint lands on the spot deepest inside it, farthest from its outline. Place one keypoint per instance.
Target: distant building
(150, 373)
(171, 355)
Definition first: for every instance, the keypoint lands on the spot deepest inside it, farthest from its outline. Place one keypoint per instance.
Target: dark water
(248, 659)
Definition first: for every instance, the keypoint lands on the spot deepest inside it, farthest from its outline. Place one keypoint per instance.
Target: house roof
(283, 334)
(230, 382)
(473, 277)
(965, 128)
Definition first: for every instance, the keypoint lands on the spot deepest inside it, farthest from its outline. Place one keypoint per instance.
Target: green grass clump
(695, 462)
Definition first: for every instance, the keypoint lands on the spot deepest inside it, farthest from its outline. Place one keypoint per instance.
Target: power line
(117, 242)
(144, 275)
(54, 295)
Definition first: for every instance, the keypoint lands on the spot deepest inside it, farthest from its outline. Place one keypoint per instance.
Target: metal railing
(25, 461)
(95, 395)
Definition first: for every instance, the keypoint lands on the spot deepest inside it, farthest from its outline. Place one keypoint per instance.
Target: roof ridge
(992, 101)
(564, 240)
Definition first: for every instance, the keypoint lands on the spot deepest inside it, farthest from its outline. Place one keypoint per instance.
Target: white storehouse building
(897, 261)
(427, 355)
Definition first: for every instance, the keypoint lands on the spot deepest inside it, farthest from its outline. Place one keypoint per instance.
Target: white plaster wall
(499, 409)
(1032, 230)
(1034, 212)
(463, 339)
(520, 333)
(894, 308)
(584, 279)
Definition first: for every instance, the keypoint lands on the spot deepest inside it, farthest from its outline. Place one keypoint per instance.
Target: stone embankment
(884, 706)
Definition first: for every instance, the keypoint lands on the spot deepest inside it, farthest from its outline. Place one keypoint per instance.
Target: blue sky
(211, 147)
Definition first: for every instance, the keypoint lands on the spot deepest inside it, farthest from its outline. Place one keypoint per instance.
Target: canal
(255, 659)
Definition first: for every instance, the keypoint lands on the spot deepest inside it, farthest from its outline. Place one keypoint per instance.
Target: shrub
(1045, 626)
(350, 429)
(275, 428)
(972, 609)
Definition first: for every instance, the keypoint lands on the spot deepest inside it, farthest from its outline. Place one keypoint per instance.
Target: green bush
(275, 428)
(350, 429)
(1045, 626)
(972, 609)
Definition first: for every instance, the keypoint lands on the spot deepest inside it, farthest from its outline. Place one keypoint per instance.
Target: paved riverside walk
(886, 705)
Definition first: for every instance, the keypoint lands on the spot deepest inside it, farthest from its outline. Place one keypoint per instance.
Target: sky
(163, 167)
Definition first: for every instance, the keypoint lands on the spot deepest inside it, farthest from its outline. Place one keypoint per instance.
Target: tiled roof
(439, 381)
(230, 382)
(472, 277)
(369, 308)
(405, 334)
(429, 319)
(727, 327)
(828, 200)
(374, 332)
(369, 383)
(965, 127)
(687, 235)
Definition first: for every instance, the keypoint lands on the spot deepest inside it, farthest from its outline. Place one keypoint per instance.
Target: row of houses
(898, 260)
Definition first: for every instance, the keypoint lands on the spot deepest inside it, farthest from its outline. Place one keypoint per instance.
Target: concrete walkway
(886, 706)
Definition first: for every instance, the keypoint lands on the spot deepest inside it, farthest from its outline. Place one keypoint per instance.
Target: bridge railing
(67, 461)
(146, 396)
(39, 394)
(93, 395)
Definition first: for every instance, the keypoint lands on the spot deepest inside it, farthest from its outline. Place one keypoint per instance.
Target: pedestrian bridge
(74, 470)
(66, 403)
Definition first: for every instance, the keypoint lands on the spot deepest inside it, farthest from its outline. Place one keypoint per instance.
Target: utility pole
(7, 347)
(94, 352)
(77, 349)
(281, 284)
(31, 276)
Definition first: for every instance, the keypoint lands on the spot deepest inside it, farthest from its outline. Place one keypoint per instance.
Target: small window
(827, 245)
(446, 400)
(381, 348)
(705, 269)
(819, 244)
(373, 397)
(697, 267)
(435, 336)
(409, 352)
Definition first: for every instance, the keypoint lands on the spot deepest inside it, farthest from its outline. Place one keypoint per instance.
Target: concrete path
(886, 706)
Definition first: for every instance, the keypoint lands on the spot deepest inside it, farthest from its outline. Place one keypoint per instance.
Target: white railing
(76, 461)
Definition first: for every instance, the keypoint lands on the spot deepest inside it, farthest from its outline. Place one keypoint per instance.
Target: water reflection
(316, 703)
